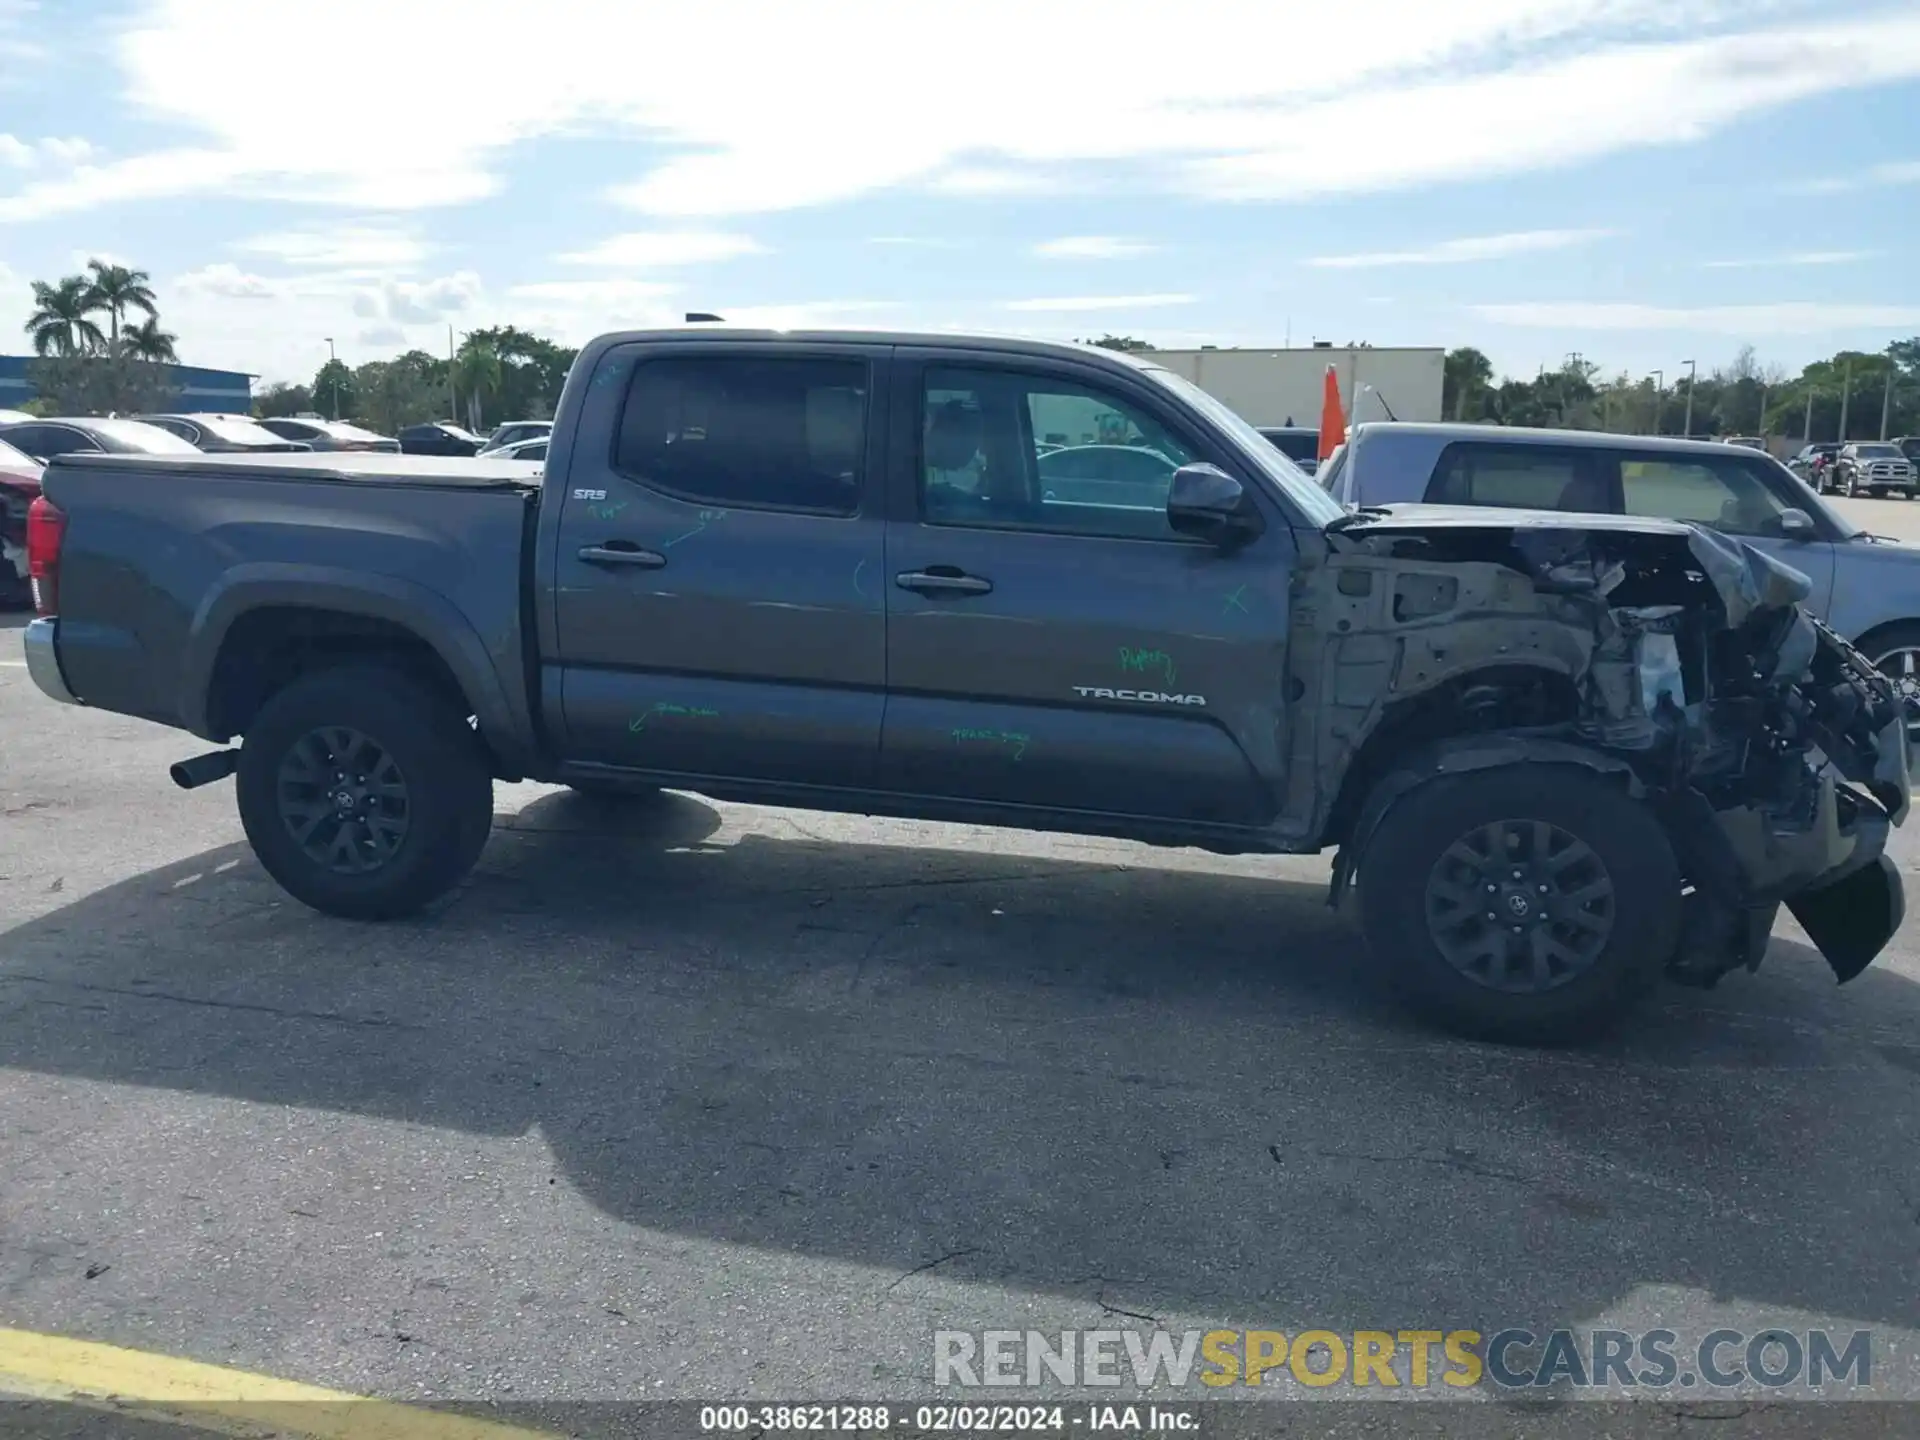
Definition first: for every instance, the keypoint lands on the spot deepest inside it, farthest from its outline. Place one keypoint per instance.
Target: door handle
(942, 580)
(622, 552)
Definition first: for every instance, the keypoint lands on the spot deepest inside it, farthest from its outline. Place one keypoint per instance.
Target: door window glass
(1728, 497)
(779, 434)
(1520, 477)
(1003, 449)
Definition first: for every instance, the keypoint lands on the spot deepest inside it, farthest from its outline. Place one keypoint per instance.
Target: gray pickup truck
(828, 570)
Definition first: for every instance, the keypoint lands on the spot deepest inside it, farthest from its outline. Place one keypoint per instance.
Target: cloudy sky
(1642, 181)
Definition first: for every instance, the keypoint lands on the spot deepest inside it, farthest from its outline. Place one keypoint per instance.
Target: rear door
(718, 603)
(1070, 652)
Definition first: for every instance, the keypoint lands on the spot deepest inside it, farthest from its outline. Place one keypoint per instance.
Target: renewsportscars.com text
(1510, 1359)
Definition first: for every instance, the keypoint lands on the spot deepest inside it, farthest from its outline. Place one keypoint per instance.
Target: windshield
(1878, 452)
(340, 430)
(237, 431)
(1313, 502)
(137, 435)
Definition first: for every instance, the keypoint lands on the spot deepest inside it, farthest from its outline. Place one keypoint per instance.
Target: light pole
(1846, 400)
(1692, 374)
(1659, 397)
(1886, 402)
(333, 362)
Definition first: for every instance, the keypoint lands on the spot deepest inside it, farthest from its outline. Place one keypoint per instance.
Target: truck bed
(164, 554)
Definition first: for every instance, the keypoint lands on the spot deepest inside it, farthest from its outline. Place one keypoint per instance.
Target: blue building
(215, 392)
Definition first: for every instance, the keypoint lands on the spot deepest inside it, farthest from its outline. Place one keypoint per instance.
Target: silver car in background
(1866, 587)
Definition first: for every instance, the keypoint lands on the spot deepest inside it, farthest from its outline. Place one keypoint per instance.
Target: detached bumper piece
(1852, 919)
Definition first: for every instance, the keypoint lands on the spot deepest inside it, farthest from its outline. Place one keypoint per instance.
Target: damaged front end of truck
(1430, 641)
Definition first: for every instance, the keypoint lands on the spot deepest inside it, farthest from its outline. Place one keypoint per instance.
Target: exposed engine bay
(1429, 641)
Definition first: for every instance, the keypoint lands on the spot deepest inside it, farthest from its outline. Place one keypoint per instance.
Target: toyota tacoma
(1558, 758)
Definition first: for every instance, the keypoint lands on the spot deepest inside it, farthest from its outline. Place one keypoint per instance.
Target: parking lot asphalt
(687, 1100)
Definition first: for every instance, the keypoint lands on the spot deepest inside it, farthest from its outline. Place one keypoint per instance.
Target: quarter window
(1001, 449)
(777, 434)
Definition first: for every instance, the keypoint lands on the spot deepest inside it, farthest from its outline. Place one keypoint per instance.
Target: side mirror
(1796, 525)
(1211, 505)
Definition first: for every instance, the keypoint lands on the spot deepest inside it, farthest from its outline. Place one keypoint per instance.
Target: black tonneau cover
(431, 472)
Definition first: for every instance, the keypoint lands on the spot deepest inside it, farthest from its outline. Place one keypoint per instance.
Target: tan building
(1272, 387)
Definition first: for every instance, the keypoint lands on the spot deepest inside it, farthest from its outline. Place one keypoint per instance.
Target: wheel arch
(265, 624)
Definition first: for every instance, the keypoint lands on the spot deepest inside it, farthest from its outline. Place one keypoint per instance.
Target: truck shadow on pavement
(1171, 1092)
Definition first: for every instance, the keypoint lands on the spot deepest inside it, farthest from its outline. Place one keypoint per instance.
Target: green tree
(62, 320)
(281, 398)
(333, 390)
(1468, 374)
(410, 389)
(532, 371)
(111, 384)
(147, 341)
(477, 374)
(1121, 342)
(117, 289)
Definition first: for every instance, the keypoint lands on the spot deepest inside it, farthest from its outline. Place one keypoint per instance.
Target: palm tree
(476, 370)
(61, 322)
(147, 341)
(116, 289)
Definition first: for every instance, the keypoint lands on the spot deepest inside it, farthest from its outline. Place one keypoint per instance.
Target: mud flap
(1852, 919)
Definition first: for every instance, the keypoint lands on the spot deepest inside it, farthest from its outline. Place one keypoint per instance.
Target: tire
(1899, 644)
(1409, 873)
(442, 812)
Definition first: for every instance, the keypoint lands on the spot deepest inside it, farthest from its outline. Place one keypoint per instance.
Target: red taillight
(46, 528)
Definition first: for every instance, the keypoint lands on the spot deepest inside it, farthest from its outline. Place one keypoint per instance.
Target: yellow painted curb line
(51, 1367)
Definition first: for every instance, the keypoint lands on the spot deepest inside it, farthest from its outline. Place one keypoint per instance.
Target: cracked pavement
(696, 1101)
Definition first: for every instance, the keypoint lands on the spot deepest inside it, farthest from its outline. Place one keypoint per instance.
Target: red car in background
(19, 486)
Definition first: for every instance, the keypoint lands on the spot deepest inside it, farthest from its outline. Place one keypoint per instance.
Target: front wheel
(1532, 904)
(364, 794)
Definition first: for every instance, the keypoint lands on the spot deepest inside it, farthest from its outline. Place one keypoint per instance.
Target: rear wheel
(1535, 904)
(364, 794)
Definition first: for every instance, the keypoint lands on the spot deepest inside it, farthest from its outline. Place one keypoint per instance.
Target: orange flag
(1333, 424)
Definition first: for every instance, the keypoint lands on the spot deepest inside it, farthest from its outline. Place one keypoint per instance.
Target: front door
(1051, 641)
(1739, 495)
(718, 608)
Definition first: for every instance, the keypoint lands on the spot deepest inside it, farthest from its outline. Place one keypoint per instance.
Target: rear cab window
(1521, 477)
(755, 432)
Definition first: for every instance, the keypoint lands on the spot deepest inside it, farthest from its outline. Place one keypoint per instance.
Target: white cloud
(929, 242)
(1090, 247)
(1783, 318)
(422, 302)
(227, 281)
(985, 180)
(654, 249)
(1066, 303)
(383, 337)
(1878, 177)
(1805, 257)
(1423, 94)
(342, 247)
(54, 150)
(1466, 250)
